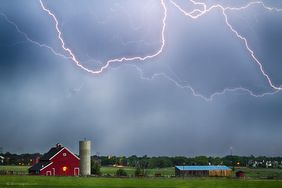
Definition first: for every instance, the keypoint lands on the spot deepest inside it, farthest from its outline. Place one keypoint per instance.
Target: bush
(139, 172)
(121, 172)
(95, 168)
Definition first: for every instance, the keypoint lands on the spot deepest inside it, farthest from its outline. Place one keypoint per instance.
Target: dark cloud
(138, 108)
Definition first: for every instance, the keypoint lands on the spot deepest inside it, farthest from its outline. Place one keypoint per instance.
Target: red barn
(58, 161)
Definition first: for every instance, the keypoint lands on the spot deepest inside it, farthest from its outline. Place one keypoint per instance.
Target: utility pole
(183, 170)
(232, 159)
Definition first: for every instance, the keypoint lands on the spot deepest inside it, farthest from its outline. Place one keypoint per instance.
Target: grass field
(105, 170)
(14, 168)
(262, 173)
(39, 181)
(130, 171)
(256, 178)
(168, 172)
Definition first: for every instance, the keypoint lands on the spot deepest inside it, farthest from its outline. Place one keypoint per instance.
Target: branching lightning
(177, 81)
(224, 9)
(107, 64)
(194, 14)
(29, 39)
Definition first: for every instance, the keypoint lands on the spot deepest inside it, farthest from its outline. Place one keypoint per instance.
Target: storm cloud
(138, 107)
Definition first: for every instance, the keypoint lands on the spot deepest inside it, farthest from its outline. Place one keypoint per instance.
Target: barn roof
(53, 151)
(39, 166)
(202, 168)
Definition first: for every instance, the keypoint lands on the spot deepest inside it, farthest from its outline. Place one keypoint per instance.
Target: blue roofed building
(215, 171)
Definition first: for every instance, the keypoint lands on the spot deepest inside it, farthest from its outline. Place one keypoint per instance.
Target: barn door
(48, 173)
(76, 171)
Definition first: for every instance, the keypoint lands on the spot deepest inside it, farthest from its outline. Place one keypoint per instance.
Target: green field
(255, 178)
(111, 171)
(40, 181)
(14, 168)
(130, 171)
(261, 173)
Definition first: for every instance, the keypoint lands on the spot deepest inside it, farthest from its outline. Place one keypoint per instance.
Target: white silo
(85, 157)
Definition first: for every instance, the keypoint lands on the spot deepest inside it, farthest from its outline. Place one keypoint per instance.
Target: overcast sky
(181, 102)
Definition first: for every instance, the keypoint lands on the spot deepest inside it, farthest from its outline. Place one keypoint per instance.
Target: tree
(132, 160)
(179, 160)
(121, 172)
(201, 160)
(139, 172)
(95, 167)
(122, 161)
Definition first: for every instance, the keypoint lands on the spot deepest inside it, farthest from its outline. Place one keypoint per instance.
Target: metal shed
(202, 171)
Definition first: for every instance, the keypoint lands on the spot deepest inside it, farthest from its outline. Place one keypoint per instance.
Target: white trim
(46, 166)
(62, 150)
(72, 153)
(76, 168)
(56, 153)
(54, 171)
(48, 173)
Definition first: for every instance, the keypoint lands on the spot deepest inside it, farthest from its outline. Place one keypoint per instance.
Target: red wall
(63, 159)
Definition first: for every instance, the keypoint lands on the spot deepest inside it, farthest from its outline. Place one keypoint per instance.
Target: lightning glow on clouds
(194, 14)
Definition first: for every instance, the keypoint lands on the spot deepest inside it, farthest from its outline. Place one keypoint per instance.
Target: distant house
(2, 159)
(58, 161)
(202, 171)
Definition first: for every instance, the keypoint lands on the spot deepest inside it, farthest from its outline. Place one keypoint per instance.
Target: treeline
(164, 161)
(156, 162)
(19, 159)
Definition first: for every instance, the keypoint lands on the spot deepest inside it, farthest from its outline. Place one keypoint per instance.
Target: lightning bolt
(177, 81)
(238, 35)
(107, 64)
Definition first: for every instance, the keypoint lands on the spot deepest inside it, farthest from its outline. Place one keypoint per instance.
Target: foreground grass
(39, 181)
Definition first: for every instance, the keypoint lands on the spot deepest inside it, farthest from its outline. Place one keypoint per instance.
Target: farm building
(240, 174)
(58, 161)
(2, 159)
(202, 171)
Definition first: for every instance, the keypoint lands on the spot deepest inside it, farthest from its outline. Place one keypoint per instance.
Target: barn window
(65, 168)
(64, 154)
